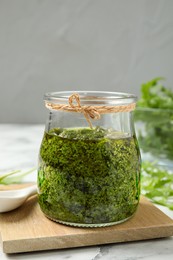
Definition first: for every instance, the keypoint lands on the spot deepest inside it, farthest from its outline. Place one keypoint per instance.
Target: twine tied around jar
(90, 112)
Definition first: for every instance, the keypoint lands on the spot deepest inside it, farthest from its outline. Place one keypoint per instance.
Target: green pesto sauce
(88, 176)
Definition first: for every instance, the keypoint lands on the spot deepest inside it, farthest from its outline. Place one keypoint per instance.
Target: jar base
(83, 225)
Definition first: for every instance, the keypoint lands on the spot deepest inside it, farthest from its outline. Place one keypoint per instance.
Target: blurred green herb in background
(157, 184)
(155, 135)
(155, 112)
(155, 95)
(14, 176)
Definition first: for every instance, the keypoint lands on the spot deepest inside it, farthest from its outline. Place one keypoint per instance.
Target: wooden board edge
(52, 243)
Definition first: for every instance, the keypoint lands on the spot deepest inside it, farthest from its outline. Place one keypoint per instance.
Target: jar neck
(121, 122)
(102, 109)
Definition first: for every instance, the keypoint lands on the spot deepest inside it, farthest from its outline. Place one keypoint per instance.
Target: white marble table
(19, 147)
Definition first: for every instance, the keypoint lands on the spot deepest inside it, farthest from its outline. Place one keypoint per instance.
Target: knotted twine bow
(90, 112)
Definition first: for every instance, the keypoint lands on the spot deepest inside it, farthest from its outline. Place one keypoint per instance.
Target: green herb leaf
(155, 112)
(155, 95)
(14, 176)
(157, 184)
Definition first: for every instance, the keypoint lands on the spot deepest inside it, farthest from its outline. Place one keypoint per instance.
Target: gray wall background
(55, 45)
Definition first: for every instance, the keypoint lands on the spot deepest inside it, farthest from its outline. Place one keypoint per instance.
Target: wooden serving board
(27, 229)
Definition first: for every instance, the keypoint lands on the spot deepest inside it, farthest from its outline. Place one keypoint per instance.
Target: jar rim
(92, 97)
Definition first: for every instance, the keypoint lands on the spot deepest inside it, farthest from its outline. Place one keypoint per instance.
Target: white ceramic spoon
(12, 199)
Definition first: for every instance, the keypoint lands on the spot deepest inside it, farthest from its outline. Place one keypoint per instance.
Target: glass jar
(89, 160)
